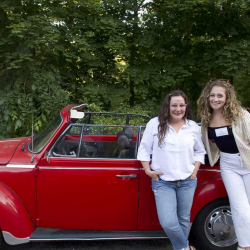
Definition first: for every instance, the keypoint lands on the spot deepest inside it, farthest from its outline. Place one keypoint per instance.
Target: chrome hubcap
(219, 227)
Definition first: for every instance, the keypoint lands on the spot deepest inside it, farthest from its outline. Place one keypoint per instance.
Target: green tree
(30, 83)
(116, 55)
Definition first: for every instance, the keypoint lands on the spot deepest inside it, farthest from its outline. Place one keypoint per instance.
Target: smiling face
(177, 108)
(217, 98)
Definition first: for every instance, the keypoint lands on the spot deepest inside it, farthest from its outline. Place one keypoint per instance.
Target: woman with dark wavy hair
(226, 134)
(174, 141)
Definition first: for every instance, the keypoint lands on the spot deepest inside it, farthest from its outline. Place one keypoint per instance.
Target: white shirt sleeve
(199, 149)
(146, 145)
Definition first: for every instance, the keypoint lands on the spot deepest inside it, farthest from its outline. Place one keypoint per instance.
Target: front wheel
(1, 240)
(213, 227)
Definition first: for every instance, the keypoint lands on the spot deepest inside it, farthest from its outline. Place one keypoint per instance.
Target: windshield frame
(41, 135)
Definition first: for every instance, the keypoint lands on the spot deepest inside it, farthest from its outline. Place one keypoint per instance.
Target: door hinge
(38, 222)
(36, 171)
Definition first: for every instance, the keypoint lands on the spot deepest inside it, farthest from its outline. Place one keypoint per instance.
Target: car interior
(97, 142)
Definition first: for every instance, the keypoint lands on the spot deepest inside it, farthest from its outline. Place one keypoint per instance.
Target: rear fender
(15, 221)
(207, 192)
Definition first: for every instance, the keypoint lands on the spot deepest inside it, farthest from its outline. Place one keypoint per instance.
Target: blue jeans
(173, 202)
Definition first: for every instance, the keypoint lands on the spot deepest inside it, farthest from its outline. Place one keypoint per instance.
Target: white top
(177, 154)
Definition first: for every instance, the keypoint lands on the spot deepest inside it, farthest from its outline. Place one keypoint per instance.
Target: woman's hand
(196, 168)
(194, 174)
(153, 174)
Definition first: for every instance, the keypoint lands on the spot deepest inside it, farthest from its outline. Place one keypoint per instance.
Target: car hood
(7, 149)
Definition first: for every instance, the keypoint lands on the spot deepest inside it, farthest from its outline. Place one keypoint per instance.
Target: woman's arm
(146, 149)
(199, 153)
(199, 149)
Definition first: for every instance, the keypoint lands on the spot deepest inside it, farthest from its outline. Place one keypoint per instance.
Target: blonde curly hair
(232, 108)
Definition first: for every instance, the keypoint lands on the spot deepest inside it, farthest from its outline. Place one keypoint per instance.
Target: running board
(47, 234)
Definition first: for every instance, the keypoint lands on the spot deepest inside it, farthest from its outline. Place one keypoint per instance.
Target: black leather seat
(129, 132)
(124, 147)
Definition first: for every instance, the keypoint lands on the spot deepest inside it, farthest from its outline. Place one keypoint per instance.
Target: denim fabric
(173, 202)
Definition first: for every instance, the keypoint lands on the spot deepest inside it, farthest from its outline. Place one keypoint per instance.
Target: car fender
(15, 221)
(207, 192)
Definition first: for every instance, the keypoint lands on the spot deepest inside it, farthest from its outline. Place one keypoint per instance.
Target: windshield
(43, 136)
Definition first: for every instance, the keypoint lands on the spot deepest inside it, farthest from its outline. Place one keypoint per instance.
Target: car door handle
(131, 176)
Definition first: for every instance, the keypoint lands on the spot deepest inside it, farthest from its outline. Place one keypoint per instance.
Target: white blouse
(177, 155)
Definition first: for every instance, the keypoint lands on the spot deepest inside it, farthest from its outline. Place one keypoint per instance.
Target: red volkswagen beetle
(80, 180)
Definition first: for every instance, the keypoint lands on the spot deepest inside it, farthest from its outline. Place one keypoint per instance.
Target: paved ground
(97, 245)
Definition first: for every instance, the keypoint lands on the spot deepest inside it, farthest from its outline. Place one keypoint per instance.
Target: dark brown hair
(164, 113)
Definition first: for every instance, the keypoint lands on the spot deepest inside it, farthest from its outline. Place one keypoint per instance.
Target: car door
(89, 181)
(147, 214)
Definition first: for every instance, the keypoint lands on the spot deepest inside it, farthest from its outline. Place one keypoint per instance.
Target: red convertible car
(80, 180)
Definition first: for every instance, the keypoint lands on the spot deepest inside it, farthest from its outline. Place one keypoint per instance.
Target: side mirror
(46, 156)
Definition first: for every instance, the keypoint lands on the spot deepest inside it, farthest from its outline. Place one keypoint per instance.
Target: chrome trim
(94, 239)
(99, 125)
(6, 140)
(12, 240)
(88, 168)
(210, 170)
(80, 142)
(83, 158)
(130, 176)
(20, 166)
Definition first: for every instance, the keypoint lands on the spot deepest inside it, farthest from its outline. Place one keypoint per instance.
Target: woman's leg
(185, 194)
(246, 179)
(239, 203)
(166, 204)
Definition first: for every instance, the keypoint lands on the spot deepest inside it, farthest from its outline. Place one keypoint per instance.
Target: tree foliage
(115, 54)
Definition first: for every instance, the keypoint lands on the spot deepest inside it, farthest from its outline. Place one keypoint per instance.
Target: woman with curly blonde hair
(226, 134)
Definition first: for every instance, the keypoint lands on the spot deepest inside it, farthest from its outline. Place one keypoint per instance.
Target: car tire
(1, 240)
(3, 244)
(213, 227)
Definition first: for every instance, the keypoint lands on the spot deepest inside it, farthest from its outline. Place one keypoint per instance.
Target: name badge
(221, 131)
